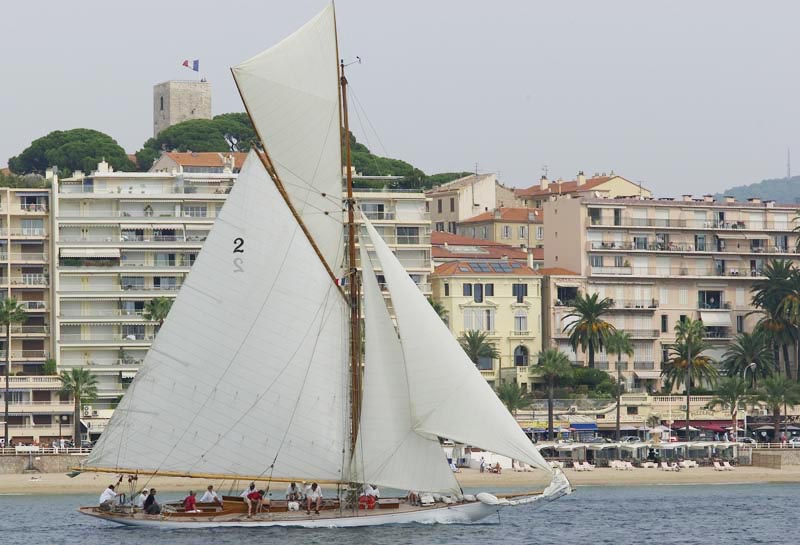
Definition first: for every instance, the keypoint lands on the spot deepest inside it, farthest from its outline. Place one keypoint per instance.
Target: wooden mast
(352, 278)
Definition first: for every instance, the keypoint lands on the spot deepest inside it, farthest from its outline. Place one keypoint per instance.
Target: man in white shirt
(211, 496)
(107, 498)
(140, 499)
(313, 496)
(293, 492)
(375, 492)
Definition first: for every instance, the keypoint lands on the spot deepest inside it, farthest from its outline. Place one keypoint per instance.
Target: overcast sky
(682, 96)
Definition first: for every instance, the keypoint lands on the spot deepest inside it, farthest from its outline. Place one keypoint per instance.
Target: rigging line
(377, 135)
(235, 353)
(373, 158)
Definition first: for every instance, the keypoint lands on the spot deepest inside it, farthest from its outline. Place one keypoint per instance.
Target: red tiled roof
(5, 171)
(566, 187)
(557, 271)
(488, 252)
(466, 268)
(513, 215)
(206, 158)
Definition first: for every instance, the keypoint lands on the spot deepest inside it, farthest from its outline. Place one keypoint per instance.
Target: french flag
(194, 65)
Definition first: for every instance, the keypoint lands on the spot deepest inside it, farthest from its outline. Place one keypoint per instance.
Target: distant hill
(781, 190)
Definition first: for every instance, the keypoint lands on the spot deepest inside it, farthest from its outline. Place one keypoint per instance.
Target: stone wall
(44, 463)
(777, 459)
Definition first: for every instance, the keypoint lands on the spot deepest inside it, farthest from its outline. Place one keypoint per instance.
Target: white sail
(291, 92)
(389, 452)
(449, 397)
(248, 375)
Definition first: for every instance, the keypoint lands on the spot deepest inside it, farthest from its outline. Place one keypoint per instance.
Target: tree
(156, 309)
(513, 396)
(769, 291)
(746, 349)
(81, 384)
(619, 343)
(223, 133)
(11, 313)
(553, 367)
(439, 309)
(589, 330)
(476, 346)
(688, 364)
(777, 392)
(75, 149)
(731, 394)
(50, 367)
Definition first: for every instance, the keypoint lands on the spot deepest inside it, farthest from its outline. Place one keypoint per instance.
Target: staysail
(389, 452)
(248, 375)
(449, 397)
(291, 92)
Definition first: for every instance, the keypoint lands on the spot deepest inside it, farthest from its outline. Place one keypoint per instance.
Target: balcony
(26, 257)
(520, 333)
(34, 208)
(380, 215)
(642, 333)
(17, 329)
(41, 407)
(644, 365)
(34, 306)
(25, 355)
(100, 313)
(105, 338)
(84, 190)
(693, 224)
(30, 280)
(635, 304)
(684, 247)
(27, 232)
(133, 290)
(33, 382)
(121, 240)
(673, 271)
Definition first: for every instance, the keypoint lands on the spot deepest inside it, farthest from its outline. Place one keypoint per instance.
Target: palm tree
(476, 346)
(776, 392)
(11, 312)
(688, 364)
(589, 330)
(731, 394)
(790, 309)
(769, 291)
(513, 396)
(619, 343)
(81, 384)
(439, 309)
(553, 367)
(156, 309)
(749, 348)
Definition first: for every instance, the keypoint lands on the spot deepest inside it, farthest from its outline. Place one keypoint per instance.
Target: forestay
(449, 397)
(250, 366)
(389, 452)
(291, 92)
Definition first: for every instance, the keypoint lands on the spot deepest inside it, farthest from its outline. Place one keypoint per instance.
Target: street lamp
(744, 378)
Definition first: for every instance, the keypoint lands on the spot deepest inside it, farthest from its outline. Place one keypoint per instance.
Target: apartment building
(175, 162)
(401, 217)
(25, 258)
(466, 197)
(662, 261)
(611, 186)
(520, 227)
(122, 239)
(501, 298)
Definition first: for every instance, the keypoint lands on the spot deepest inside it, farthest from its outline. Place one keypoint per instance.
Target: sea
(658, 515)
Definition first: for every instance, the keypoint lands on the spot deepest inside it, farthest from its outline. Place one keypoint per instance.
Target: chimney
(754, 200)
(687, 198)
(543, 183)
(497, 214)
(581, 178)
(730, 199)
(708, 198)
(530, 258)
(770, 203)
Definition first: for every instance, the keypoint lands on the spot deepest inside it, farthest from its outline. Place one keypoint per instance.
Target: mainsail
(449, 397)
(291, 92)
(389, 451)
(248, 376)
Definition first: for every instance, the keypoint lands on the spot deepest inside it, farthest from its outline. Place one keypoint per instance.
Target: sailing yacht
(261, 372)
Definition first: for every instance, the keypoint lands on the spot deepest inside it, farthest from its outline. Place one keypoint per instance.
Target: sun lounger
(628, 465)
(577, 467)
(666, 467)
(617, 464)
(587, 466)
(718, 467)
(726, 466)
(649, 465)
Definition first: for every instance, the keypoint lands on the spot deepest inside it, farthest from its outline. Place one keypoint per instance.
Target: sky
(684, 97)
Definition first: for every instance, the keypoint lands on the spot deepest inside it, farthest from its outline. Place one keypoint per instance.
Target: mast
(353, 280)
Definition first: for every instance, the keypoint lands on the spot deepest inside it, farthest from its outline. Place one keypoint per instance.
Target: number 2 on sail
(238, 248)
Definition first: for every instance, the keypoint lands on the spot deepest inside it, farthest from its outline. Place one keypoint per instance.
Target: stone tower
(176, 101)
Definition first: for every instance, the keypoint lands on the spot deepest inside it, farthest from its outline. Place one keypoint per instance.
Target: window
(485, 364)
(488, 290)
(195, 211)
(131, 308)
(451, 227)
(375, 211)
(523, 231)
(700, 243)
(477, 290)
(439, 206)
(165, 260)
(665, 354)
(133, 332)
(484, 232)
(165, 282)
(132, 282)
(520, 356)
(683, 318)
(739, 324)
(506, 231)
(162, 103)
(440, 226)
(632, 410)
(617, 216)
(664, 323)
(597, 260)
(594, 216)
(408, 235)
(539, 232)
(619, 261)
(640, 242)
(520, 321)
(467, 290)
(32, 227)
(452, 204)
(519, 291)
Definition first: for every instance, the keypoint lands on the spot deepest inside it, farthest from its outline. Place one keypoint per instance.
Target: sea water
(659, 515)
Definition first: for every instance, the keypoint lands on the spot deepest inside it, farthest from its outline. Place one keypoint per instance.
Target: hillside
(781, 190)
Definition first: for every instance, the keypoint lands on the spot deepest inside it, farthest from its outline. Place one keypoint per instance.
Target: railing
(722, 333)
(25, 257)
(378, 216)
(487, 332)
(40, 381)
(204, 189)
(155, 215)
(109, 363)
(100, 313)
(26, 329)
(642, 333)
(643, 304)
(27, 232)
(26, 451)
(679, 400)
(34, 305)
(520, 333)
(78, 338)
(40, 208)
(25, 354)
(671, 271)
(30, 280)
(713, 306)
(118, 288)
(692, 224)
(644, 365)
(135, 238)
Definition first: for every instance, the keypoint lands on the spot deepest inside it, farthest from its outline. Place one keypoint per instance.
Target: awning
(729, 236)
(83, 224)
(758, 236)
(583, 426)
(196, 227)
(706, 424)
(716, 319)
(168, 226)
(714, 427)
(42, 193)
(627, 427)
(134, 225)
(647, 375)
(90, 252)
(127, 374)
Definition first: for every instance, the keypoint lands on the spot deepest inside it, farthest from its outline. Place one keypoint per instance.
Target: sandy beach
(59, 483)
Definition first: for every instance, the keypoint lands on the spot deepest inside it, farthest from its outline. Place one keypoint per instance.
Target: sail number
(238, 248)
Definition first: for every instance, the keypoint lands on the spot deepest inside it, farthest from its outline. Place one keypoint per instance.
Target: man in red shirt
(190, 503)
(256, 498)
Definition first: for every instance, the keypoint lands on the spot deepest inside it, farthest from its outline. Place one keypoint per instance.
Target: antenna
(545, 170)
(788, 162)
(476, 168)
(357, 61)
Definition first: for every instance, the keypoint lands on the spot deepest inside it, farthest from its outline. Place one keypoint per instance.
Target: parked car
(629, 439)
(748, 440)
(596, 440)
(794, 442)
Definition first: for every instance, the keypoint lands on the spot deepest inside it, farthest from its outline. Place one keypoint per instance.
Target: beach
(59, 483)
